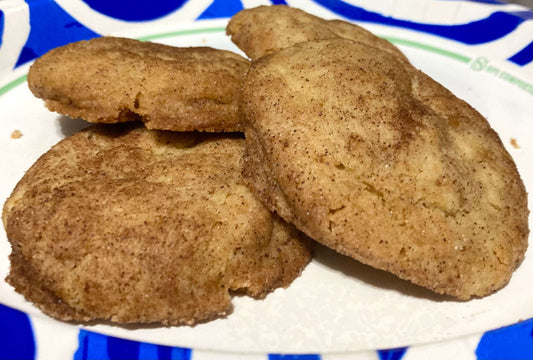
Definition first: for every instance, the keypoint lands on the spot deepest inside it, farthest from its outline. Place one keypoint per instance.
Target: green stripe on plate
(182, 32)
(430, 48)
(12, 84)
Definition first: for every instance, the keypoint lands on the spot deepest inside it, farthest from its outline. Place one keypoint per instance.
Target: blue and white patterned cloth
(17, 341)
(59, 27)
(45, 24)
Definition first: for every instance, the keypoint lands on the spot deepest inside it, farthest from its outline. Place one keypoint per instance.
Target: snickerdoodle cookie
(112, 80)
(266, 29)
(376, 160)
(130, 225)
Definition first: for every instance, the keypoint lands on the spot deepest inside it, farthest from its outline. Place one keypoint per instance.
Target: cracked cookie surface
(111, 79)
(130, 225)
(263, 30)
(376, 160)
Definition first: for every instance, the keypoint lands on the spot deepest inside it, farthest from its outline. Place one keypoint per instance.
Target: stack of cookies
(214, 174)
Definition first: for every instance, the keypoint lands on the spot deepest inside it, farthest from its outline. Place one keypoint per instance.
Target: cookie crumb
(514, 143)
(16, 134)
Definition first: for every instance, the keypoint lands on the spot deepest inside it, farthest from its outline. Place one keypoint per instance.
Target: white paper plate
(338, 307)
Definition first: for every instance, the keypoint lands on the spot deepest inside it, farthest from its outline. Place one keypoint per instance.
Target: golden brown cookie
(137, 226)
(266, 29)
(376, 160)
(116, 79)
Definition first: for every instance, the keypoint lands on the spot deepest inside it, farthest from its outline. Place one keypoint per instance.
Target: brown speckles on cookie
(264, 30)
(355, 147)
(112, 80)
(126, 224)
